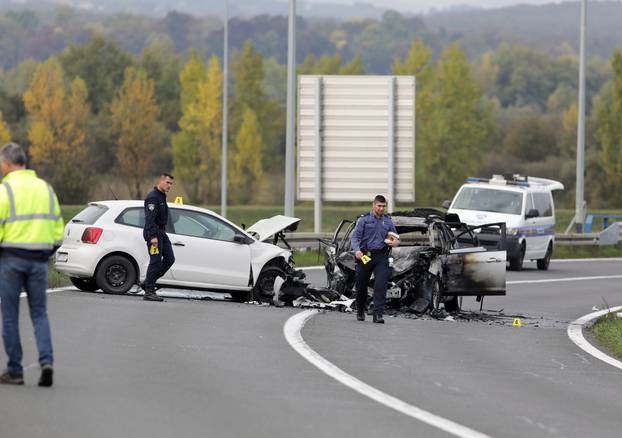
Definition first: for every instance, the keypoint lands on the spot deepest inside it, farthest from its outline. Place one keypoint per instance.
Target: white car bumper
(78, 262)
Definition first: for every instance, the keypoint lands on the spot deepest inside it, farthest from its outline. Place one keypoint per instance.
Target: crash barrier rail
(609, 236)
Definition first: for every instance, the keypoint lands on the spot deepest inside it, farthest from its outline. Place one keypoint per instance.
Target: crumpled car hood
(263, 229)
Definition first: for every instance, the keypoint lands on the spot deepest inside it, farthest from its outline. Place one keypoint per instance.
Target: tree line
(95, 110)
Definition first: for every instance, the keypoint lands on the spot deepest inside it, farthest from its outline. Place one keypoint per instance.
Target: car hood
(476, 217)
(266, 228)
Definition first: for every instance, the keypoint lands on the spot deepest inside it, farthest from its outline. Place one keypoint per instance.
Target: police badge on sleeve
(151, 207)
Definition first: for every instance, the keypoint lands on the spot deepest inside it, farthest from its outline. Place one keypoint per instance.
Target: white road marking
(575, 333)
(57, 289)
(559, 280)
(601, 259)
(292, 331)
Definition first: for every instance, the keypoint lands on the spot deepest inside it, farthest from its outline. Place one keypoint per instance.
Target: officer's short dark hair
(13, 153)
(381, 199)
(166, 175)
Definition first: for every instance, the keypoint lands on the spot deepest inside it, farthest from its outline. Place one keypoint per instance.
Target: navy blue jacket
(370, 232)
(156, 214)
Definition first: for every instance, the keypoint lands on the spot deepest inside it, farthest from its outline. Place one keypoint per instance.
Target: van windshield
(495, 201)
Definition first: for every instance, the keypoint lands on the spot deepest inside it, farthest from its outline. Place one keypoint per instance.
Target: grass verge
(608, 332)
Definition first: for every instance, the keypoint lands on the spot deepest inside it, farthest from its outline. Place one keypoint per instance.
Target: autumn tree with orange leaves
(58, 112)
(134, 114)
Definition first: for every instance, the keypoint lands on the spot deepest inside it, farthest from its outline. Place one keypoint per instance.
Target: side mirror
(446, 203)
(241, 239)
(532, 213)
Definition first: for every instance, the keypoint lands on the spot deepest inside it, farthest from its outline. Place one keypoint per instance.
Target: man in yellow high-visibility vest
(31, 229)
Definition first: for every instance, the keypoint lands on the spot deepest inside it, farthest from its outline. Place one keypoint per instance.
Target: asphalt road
(183, 368)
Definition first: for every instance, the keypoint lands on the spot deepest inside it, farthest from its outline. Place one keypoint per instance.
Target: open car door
(474, 270)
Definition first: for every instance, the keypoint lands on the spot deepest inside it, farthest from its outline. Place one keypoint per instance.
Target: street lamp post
(225, 112)
(580, 202)
(291, 109)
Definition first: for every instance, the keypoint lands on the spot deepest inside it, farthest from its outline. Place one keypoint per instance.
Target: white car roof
(508, 188)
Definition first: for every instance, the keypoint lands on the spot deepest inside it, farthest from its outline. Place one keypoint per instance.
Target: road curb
(575, 333)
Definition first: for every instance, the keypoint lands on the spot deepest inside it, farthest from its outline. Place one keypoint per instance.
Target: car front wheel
(84, 284)
(516, 263)
(115, 275)
(264, 288)
(543, 264)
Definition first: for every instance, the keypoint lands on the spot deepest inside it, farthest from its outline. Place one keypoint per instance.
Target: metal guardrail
(606, 237)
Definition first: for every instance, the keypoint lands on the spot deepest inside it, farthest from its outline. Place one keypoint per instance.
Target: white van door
(544, 223)
(528, 230)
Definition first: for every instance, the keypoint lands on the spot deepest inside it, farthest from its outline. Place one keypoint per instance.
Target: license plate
(62, 257)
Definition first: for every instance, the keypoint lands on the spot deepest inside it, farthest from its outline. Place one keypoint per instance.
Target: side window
(134, 217)
(196, 224)
(543, 204)
(529, 205)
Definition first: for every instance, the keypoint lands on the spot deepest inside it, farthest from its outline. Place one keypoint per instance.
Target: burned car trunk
(439, 260)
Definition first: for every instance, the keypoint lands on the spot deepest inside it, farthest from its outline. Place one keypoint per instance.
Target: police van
(526, 206)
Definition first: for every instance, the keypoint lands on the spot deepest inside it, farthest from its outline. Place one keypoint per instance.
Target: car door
(529, 230)
(544, 223)
(475, 270)
(206, 254)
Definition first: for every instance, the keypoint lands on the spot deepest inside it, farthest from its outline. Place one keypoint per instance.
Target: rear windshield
(90, 214)
(494, 201)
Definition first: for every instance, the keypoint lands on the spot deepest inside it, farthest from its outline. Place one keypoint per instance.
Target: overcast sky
(426, 5)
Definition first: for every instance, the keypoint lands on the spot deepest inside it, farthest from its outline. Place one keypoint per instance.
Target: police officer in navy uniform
(372, 256)
(161, 256)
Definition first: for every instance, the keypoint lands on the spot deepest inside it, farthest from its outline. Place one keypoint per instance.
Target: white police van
(526, 206)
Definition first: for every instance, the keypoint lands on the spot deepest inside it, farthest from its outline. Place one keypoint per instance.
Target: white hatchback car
(103, 248)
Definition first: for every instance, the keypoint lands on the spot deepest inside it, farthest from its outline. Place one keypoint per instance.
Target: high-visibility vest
(30, 215)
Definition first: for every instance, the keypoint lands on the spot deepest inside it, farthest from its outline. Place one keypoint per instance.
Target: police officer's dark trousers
(379, 266)
(159, 263)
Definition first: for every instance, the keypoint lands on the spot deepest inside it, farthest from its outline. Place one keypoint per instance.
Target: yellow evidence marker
(365, 259)
(517, 322)
(179, 200)
(154, 250)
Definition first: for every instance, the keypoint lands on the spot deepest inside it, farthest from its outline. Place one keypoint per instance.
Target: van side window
(529, 205)
(543, 204)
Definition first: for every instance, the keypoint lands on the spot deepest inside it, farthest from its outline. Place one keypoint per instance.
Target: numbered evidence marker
(179, 200)
(517, 322)
(154, 250)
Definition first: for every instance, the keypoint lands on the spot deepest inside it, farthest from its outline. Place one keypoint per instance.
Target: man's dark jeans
(159, 263)
(379, 266)
(32, 275)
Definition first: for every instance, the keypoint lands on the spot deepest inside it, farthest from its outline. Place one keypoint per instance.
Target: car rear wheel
(516, 263)
(264, 288)
(115, 275)
(543, 264)
(452, 305)
(84, 284)
(239, 297)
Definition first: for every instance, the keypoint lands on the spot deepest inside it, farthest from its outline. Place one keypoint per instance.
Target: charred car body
(440, 259)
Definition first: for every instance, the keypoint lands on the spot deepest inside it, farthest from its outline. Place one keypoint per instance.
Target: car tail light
(92, 235)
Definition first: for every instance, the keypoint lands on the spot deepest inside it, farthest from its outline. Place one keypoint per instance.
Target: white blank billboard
(356, 137)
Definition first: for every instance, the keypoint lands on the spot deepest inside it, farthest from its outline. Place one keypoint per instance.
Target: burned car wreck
(440, 260)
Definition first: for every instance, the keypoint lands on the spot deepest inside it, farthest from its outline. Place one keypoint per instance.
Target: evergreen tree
(453, 125)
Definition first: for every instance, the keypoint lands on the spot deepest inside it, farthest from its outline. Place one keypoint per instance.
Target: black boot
(378, 318)
(150, 295)
(47, 371)
(360, 315)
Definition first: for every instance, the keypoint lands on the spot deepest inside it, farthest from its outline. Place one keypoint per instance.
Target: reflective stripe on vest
(14, 217)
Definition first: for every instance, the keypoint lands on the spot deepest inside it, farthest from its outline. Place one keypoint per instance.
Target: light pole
(225, 112)
(580, 202)
(291, 111)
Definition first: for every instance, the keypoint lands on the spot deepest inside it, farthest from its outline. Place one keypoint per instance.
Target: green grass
(608, 332)
(587, 251)
(55, 278)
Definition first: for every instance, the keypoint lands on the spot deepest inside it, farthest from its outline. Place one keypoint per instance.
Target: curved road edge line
(292, 331)
(575, 333)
